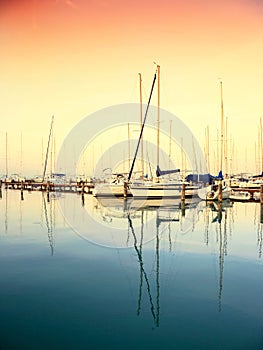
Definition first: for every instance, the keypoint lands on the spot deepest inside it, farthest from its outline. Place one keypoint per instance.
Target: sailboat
(160, 187)
(218, 190)
(117, 184)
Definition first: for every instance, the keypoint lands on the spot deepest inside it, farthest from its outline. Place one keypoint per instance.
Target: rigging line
(138, 144)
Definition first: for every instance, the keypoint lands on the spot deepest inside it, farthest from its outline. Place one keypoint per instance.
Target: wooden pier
(250, 190)
(28, 185)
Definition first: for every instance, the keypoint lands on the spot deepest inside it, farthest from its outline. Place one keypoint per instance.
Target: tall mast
(222, 127)
(226, 148)
(158, 117)
(208, 148)
(182, 155)
(261, 144)
(6, 162)
(21, 155)
(140, 83)
(170, 144)
(50, 133)
(129, 147)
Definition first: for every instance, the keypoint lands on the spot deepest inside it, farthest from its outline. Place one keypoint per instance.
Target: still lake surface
(83, 273)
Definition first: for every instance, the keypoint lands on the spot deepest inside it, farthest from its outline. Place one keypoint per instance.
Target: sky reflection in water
(199, 289)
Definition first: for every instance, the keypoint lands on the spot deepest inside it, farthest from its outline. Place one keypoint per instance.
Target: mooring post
(220, 195)
(261, 213)
(183, 208)
(125, 189)
(220, 210)
(82, 188)
(261, 193)
(22, 188)
(183, 192)
(183, 199)
(47, 190)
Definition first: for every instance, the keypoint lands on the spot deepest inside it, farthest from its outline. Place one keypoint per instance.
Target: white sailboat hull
(161, 190)
(108, 190)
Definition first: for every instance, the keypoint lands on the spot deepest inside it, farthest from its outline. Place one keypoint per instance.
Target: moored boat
(114, 187)
(241, 196)
(211, 192)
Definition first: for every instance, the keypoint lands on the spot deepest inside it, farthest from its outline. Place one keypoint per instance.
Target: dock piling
(125, 189)
(261, 194)
(220, 195)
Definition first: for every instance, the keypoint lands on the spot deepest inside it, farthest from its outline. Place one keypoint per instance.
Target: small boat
(241, 196)
(211, 192)
(114, 187)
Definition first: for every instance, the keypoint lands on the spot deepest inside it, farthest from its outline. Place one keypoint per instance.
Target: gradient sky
(70, 58)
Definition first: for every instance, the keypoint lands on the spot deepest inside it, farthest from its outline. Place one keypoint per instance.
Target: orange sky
(69, 58)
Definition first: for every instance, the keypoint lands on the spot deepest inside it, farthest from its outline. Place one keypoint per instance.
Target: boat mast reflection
(221, 219)
(151, 219)
(49, 222)
(259, 232)
(143, 273)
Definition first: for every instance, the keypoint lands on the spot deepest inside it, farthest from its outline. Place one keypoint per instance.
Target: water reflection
(169, 229)
(49, 220)
(19, 206)
(259, 224)
(154, 309)
(216, 214)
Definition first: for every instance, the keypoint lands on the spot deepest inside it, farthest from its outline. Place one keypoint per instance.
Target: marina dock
(29, 185)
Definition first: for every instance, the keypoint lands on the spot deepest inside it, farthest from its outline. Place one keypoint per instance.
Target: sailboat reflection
(49, 219)
(221, 209)
(166, 218)
(259, 231)
(155, 310)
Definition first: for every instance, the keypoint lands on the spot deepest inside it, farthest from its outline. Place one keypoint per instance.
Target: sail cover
(160, 172)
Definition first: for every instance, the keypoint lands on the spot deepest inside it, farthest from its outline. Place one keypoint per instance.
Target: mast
(140, 83)
(182, 155)
(207, 148)
(170, 144)
(226, 148)
(222, 127)
(158, 117)
(129, 146)
(21, 155)
(6, 161)
(50, 133)
(261, 144)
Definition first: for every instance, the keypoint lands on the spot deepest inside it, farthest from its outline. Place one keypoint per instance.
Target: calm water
(102, 275)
